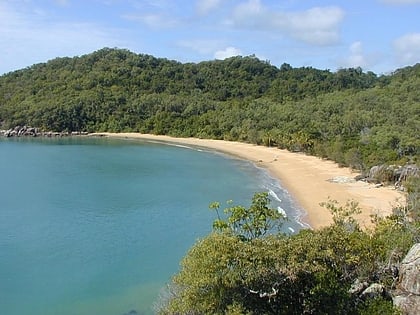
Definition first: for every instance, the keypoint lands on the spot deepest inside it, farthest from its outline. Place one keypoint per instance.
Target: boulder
(358, 287)
(407, 171)
(380, 173)
(375, 290)
(407, 295)
(390, 174)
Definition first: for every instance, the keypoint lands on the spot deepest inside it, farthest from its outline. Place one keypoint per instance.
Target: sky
(376, 35)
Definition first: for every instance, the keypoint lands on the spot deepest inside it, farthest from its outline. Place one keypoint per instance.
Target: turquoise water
(98, 226)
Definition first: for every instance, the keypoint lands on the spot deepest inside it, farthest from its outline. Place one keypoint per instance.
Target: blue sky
(377, 35)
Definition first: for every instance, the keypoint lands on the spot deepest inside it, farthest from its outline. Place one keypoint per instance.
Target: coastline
(310, 180)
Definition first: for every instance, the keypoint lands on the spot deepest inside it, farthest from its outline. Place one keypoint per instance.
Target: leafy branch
(249, 223)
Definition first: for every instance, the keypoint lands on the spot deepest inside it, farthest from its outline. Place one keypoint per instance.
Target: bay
(98, 226)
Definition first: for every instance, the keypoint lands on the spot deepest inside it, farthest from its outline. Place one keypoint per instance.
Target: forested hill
(355, 118)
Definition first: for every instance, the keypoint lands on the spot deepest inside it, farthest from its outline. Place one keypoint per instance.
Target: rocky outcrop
(375, 290)
(407, 171)
(22, 131)
(380, 174)
(19, 131)
(407, 295)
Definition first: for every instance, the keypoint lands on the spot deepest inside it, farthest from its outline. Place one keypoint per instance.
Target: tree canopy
(249, 223)
(355, 118)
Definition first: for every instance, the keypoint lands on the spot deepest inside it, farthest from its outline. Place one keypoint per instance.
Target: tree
(249, 223)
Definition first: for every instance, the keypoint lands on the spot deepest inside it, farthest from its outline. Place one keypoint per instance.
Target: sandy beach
(310, 180)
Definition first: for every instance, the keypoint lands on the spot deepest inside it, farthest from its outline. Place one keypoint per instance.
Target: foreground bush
(311, 272)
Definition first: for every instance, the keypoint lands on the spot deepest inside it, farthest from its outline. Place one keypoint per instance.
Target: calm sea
(98, 226)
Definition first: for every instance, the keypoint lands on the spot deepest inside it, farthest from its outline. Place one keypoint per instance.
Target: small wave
(281, 195)
(300, 214)
(274, 195)
(183, 146)
(282, 212)
(177, 145)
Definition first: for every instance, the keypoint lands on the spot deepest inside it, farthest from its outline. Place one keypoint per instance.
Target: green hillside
(355, 118)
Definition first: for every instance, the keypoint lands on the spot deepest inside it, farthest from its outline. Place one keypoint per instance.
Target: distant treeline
(355, 118)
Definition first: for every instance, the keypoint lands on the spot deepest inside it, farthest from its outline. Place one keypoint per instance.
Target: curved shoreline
(309, 180)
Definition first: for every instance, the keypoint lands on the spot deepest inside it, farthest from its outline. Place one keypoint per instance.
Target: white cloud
(357, 57)
(203, 7)
(317, 26)
(8, 18)
(249, 14)
(407, 49)
(202, 46)
(400, 1)
(27, 37)
(227, 52)
(154, 21)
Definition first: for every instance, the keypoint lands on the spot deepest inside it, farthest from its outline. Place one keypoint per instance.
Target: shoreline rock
(27, 131)
(383, 175)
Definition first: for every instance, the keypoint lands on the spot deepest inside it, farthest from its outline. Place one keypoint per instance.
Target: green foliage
(351, 117)
(306, 273)
(343, 216)
(395, 234)
(249, 223)
(379, 307)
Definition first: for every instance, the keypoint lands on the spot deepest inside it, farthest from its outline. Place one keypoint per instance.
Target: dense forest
(355, 118)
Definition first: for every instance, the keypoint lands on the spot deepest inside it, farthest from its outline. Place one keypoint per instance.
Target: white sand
(310, 180)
